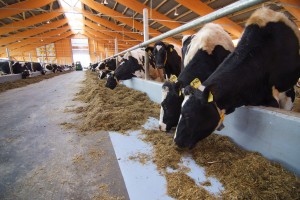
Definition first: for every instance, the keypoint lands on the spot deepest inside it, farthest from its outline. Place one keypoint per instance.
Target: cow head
(199, 118)
(172, 98)
(159, 52)
(102, 74)
(112, 81)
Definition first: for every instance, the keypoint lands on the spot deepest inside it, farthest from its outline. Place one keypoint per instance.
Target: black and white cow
(265, 64)
(166, 57)
(36, 66)
(4, 66)
(132, 65)
(203, 53)
(109, 64)
(21, 68)
(93, 67)
(103, 73)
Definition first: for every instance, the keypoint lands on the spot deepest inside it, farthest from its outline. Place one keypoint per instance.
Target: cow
(103, 73)
(203, 53)
(109, 64)
(93, 67)
(21, 68)
(36, 66)
(166, 57)
(264, 65)
(4, 66)
(132, 65)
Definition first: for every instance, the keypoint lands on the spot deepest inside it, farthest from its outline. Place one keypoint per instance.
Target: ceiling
(27, 24)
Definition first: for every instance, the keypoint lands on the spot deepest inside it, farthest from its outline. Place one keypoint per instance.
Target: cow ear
(149, 50)
(170, 47)
(189, 90)
(178, 87)
(207, 96)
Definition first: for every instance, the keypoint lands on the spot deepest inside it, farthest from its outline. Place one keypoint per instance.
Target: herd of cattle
(210, 78)
(26, 68)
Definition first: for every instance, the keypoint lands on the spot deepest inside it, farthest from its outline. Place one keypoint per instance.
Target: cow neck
(221, 112)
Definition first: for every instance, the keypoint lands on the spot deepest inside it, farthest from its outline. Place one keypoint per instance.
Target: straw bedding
(23, 82)
(244, 175)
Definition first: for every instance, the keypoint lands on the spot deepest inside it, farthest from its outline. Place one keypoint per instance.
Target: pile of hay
(24, 82)
(244, 175)
(120, 109)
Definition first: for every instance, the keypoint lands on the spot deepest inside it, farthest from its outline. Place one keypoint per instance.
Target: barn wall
(63, 50)
(272, 132)
(24, 56)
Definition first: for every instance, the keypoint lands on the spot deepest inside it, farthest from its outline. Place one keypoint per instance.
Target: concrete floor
(40, 159)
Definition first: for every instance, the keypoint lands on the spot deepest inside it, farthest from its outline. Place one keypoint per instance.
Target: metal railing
(234, 7)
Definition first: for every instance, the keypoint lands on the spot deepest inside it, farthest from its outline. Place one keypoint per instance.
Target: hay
(180, 186)
(244, 175)
(141, 158)
(24, 82)
(120, 110)
(105, 194)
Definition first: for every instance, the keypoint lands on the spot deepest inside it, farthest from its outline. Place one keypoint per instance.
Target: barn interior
(42, 152)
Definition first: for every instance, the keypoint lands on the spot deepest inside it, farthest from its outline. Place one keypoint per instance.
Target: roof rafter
(29, 22)
(203, 9)
(166, 21)
(137, 25)
(31, 32)
(17, 8)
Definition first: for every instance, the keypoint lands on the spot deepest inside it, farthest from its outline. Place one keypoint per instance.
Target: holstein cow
(131, 66)
(166, 57)
(203, 53)
(4, 66)
(36, 66)
(21, 68)
(265, 64)
(107, 66)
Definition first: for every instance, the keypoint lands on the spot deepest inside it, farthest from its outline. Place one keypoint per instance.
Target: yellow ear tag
(210, 97)
(171, 49)
(195, 83)
(173, 79)
(179, 92)
(149, 51)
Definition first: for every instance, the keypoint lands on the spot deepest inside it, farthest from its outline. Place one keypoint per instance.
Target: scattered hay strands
(24, 82)
(244, 175)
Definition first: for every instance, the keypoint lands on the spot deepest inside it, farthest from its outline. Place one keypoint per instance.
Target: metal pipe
(9, 64)
(227, 10)
(146, 38)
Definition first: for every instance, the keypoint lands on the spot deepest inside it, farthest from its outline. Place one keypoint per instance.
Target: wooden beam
(29, 22)
(202, 9)
(293, 6)
(137, 25)
(113, 26)
(138, 7)
(17, 8)
(31, 32)
(33, 40)
(46, 41)
(107, 34)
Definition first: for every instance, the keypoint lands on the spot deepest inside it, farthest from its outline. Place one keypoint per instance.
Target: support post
(9, 63)
(146, 37)
(30, 58)
(106, 53)
(116, 51)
